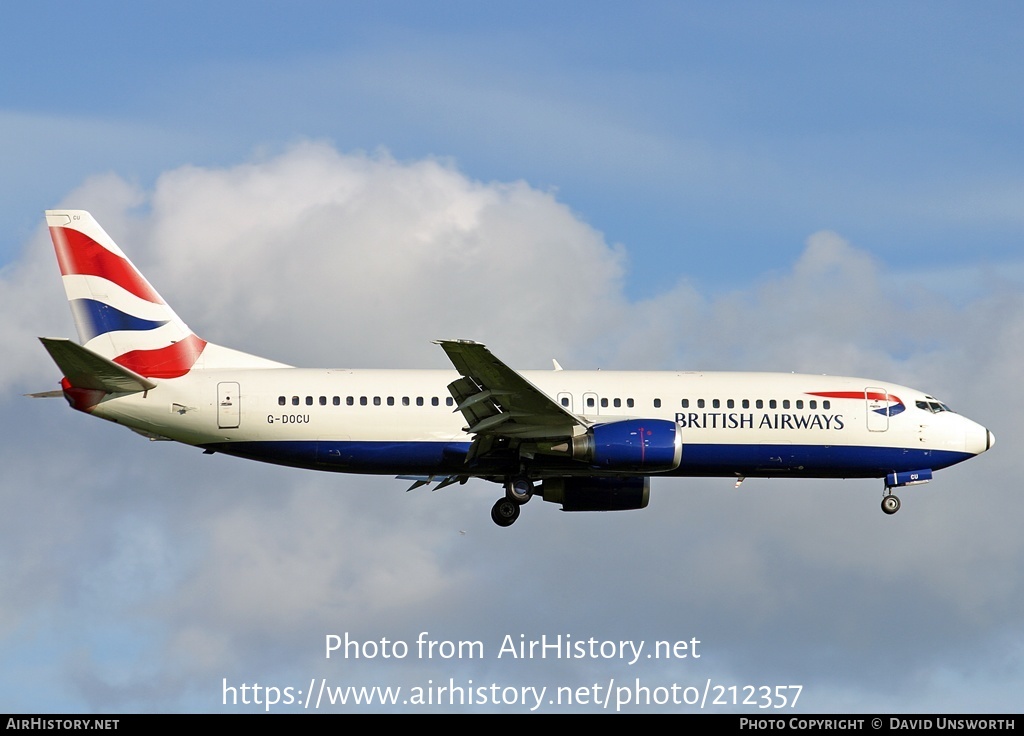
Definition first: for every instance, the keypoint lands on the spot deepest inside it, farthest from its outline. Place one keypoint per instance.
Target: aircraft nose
(979, 439)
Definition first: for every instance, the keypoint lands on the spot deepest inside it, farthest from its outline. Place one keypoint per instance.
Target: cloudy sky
(736, 186)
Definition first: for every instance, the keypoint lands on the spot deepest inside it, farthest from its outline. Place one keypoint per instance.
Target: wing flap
(498, 401)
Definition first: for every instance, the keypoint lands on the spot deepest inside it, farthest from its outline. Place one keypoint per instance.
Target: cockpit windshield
(933, 405)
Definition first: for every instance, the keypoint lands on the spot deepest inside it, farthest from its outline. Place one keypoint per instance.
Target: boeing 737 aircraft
(588, 440)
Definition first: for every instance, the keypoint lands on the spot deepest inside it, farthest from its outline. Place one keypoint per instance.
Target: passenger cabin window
(565, 401)
(617, 403)
(281, 400)
(629, 403)
(434, 401)
(449, 401)
(323, 401)
(657, 403)
(686, 403)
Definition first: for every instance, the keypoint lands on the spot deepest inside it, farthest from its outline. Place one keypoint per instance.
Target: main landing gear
(890, 503)
(518, 490)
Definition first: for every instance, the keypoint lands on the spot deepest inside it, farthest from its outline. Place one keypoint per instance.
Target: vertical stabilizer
(119, 315)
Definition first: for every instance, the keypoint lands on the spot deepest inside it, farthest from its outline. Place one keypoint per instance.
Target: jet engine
(598, 494)
(629, 446)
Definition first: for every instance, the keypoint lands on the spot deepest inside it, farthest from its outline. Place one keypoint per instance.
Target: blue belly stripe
(812, 461)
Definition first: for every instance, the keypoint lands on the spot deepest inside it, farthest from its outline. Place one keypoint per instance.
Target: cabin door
(876, 401)
(228, 405)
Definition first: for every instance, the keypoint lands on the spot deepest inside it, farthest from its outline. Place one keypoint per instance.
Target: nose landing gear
(890, 503)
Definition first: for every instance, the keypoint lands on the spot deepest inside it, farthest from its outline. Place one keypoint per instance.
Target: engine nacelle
(631, 446)
(598, 494)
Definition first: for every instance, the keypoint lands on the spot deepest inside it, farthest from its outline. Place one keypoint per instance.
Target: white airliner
(588, 440)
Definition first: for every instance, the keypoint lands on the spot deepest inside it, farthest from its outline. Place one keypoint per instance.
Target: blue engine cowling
(631, 446)
(598, 494)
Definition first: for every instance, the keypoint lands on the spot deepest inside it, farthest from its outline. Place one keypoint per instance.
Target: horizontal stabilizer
(46, 395)
(85, 369)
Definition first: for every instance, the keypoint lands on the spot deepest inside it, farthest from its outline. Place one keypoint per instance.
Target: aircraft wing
(498, 402)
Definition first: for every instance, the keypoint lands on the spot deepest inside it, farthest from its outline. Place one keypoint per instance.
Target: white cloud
(375, 258)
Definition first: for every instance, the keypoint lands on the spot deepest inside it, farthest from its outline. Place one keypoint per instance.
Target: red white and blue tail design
(119, 315)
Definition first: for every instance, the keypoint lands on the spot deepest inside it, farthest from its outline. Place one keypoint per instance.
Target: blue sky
(709, 139)
(741, 186)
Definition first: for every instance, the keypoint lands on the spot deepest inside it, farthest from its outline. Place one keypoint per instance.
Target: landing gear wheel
(505, 511)
(519, 489)
(890, 504)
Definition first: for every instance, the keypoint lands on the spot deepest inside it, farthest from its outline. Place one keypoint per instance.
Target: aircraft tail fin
(120, 317)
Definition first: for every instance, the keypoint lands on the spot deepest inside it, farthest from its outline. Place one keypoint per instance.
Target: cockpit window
(935, 407)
